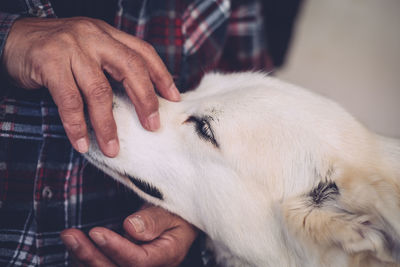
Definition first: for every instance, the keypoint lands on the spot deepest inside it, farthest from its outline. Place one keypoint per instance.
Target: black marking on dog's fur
(391, 237)
(143, 186)
(324, 191)
(146, 188)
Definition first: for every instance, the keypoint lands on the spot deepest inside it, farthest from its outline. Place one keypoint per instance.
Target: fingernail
(138, 224)
(82, 145)
(98, 238)
(70, 242)
(112, 148)
(174, 93)
(153, 121)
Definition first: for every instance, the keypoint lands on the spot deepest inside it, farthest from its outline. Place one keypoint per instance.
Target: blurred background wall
(349, 50)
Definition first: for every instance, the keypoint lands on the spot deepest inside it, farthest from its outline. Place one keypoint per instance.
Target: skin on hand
(165, 240)
(69, 57)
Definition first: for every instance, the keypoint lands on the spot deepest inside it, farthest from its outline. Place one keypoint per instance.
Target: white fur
(250, 195)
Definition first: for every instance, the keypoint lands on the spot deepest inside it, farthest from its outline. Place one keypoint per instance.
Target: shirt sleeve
(6, 21)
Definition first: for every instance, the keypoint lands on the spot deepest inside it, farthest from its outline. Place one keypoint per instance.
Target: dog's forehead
(234, 103)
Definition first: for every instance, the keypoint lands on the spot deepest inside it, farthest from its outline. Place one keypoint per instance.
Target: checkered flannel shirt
(46, 186)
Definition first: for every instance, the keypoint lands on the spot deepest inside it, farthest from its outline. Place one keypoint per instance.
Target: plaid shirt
(46, 186)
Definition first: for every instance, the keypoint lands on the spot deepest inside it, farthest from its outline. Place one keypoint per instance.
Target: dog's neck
(235, 225)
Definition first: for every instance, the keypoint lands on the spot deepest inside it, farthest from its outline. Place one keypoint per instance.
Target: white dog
(273, 174)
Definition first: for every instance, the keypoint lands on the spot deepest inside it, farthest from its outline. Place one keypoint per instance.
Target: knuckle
(162, 79)
(63, 39)
(148, 48)
(75, 128)
(84, 25)
(134, 62)
(71, 102)
(86, 256)
(108, 130)
(100, 92)
(148, 101)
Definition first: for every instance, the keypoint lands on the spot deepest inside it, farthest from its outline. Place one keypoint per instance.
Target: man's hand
(165, 240)
(69, 57)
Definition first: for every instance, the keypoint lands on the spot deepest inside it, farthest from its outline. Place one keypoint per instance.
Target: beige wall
(349, 50)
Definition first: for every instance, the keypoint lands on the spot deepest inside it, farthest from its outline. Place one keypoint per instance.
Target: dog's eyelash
(206, 130)
(203, 128)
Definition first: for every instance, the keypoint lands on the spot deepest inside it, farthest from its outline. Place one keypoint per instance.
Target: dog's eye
(203, 129)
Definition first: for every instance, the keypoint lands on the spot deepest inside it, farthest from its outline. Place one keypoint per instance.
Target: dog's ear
(360, 215)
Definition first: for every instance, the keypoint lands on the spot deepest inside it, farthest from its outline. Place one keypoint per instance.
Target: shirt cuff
(6, 21)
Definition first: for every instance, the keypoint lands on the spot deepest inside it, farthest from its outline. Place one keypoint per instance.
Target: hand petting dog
(153, 237)
(69, 57)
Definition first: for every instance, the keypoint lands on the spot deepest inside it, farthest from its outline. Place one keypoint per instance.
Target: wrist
(7, 21)
(16, 52)
(6, 51)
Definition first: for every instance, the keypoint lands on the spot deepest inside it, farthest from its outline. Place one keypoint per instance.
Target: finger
(170, 248)
(150, 222)
(156, 67)
(119, 249)
(175, 243)
(83, 250)
(98, 95)
(70, 106)
(125, 65)
(162, 252)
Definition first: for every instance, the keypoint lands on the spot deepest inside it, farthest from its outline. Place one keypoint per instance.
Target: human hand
(69, 57)
(165, 239)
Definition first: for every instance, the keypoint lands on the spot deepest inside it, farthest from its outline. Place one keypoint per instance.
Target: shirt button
(47, 193)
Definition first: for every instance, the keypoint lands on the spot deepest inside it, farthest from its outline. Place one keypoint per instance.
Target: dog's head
(260, 166)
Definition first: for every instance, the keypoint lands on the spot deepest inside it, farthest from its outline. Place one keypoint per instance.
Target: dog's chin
(127, 179)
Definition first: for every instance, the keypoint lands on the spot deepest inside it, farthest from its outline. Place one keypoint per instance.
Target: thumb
(149, 223)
